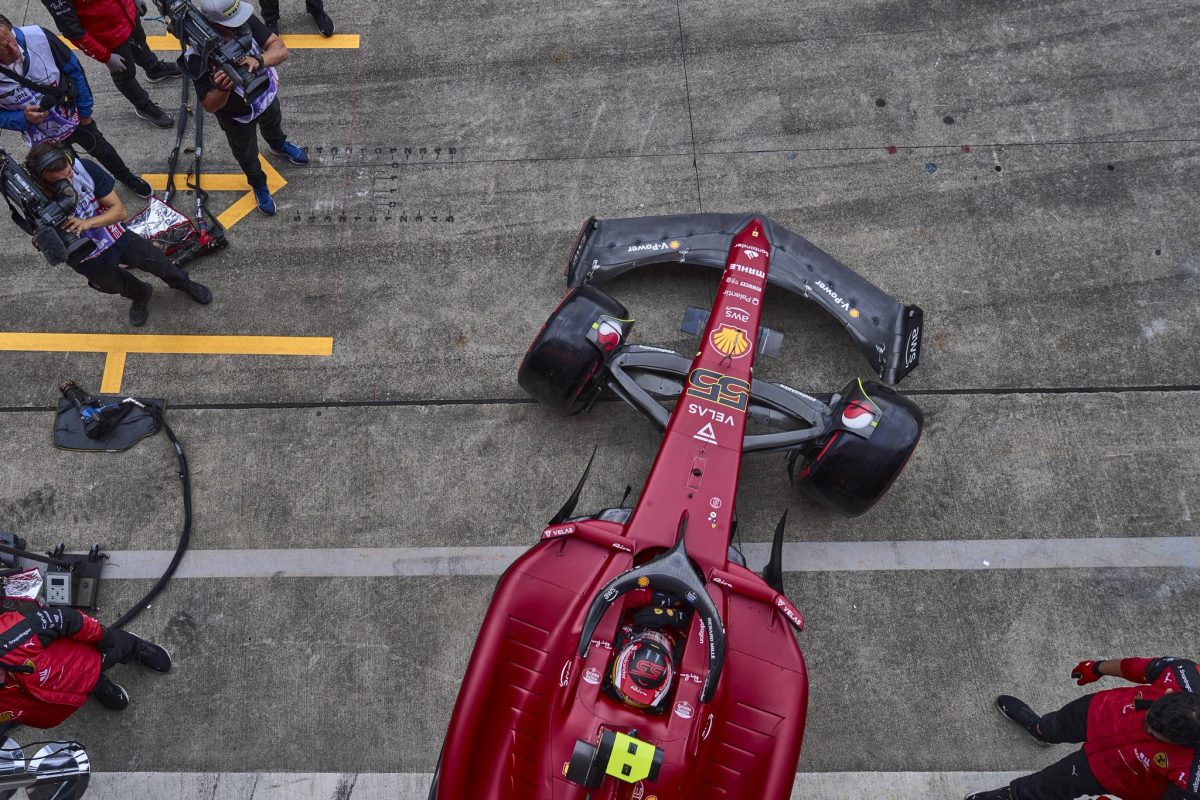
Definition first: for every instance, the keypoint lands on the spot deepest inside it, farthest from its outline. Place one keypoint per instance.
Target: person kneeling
(99, 214)
(53, 659)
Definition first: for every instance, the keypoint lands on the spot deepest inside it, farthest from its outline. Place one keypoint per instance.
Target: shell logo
(730, 341)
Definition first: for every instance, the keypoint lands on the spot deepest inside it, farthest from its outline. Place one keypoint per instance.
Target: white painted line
(415, 786)
(978, 554)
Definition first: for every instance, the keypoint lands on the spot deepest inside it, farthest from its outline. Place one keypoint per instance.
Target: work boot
(139, 312)
(991, 794)
(1023, 715)
(153, 656)
(155, 116)
(265, 203)
(324, 23)
(110, 695)
(198, 292)
(161, 71)
(139, 186)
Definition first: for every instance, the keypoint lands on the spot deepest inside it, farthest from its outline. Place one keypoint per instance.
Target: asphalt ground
(1023, 171)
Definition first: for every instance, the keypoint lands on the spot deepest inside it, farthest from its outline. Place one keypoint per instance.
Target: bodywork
(734, 721)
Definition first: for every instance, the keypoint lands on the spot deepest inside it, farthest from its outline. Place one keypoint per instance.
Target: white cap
(230, 13)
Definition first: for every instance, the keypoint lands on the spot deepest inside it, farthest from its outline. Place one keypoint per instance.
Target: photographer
(98, 216)
(44, 95)
(53, 659)
(111, 32)
(239, 118)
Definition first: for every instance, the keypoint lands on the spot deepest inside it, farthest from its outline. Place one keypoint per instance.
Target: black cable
(184, 538)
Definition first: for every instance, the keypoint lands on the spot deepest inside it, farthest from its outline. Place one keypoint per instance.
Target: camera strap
(59, 92)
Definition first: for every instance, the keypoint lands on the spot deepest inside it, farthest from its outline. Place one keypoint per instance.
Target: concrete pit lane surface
(1024, 172)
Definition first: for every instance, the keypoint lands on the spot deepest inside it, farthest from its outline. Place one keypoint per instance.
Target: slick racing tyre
(847, 472)
(564, 366)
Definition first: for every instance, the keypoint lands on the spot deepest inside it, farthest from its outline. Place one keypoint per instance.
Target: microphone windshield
(51, 244)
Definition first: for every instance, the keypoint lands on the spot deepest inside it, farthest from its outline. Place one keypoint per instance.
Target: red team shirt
(1124, 758)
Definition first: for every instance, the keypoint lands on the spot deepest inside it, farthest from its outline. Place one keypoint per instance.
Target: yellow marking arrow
(117, 345)
(226, 182)
(294, 41)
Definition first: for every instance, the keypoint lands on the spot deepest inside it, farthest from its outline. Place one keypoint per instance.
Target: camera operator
(98, 216)
(239, 118)
(111, 32)
(54, 658)
(45, 95)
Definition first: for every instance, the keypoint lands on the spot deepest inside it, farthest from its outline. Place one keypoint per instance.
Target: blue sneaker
(265, 203)
(296, 155)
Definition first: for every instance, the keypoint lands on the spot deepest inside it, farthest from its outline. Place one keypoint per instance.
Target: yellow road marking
(226, 182)
(114, 370)
(294, 41)
(116, 345)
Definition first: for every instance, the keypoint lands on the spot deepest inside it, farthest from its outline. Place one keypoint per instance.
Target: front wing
(887, 332)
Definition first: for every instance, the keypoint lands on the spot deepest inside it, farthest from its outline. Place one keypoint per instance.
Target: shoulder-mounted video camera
(40, 216)
(193, 29)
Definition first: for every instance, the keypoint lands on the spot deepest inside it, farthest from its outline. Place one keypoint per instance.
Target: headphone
(49, 159)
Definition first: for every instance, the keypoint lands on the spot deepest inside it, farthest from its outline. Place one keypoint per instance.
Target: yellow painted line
(168, 343)
(226, 182)
(117, 345)
(294, 41)
(114, 370)
(240, 208)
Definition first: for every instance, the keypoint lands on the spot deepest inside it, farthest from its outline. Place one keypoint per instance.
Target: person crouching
(99, 216)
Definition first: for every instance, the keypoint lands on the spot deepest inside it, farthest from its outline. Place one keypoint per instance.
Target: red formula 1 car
(631, 654)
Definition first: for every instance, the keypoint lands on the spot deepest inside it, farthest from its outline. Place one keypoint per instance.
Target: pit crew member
(1139, 742)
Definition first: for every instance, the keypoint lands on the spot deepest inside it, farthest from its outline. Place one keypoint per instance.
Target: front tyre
(564, 366)
(848, 472)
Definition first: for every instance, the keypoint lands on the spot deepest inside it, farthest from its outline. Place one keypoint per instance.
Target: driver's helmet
(644, 668)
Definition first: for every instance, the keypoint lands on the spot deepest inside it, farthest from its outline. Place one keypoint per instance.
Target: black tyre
(437, 771)
(564, 366)
(847, 473)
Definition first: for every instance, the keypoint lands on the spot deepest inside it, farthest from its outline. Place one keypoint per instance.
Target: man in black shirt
(238, 117)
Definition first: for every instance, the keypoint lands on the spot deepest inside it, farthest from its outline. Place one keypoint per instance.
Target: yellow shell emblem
(731, 341)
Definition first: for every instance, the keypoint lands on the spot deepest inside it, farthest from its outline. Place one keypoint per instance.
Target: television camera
(40, 216)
